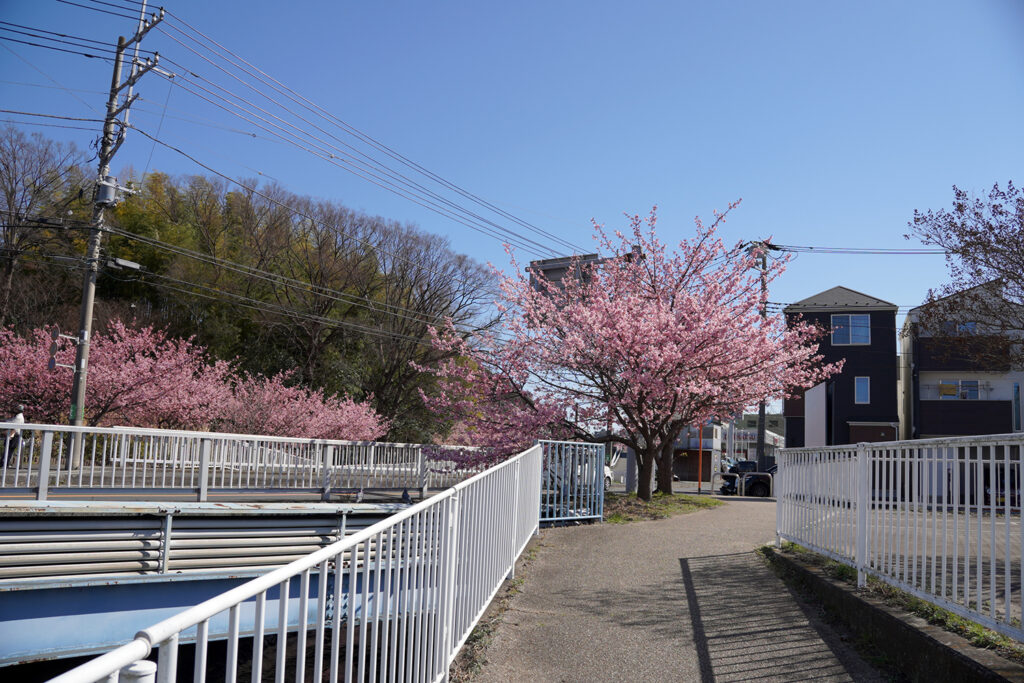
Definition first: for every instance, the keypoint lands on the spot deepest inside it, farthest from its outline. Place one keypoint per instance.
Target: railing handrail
(156, 431)
(145, 639)
(938, 441)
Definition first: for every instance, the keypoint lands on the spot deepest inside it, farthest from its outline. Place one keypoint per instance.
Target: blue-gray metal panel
(66, 621)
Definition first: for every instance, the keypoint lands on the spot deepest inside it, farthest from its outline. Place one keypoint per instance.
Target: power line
(282, 89)
(412, 187)
(57, 49)
(274, 278)
(49, 116)
(53, 87)
(50, 78)
(392, 310)
(46, 125)
(394, 183)
(72, 40)
(97, 9)
(854, 250)
(224, 297)
(281, 204)
(267, 307)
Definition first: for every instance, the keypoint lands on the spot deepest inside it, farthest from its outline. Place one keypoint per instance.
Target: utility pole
(105, 195)
(762, 461)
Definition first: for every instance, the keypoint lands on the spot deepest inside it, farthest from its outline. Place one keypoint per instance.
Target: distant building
(957, 389)
(703, 450)
(555, 270)
(860, 403)
(773, 422)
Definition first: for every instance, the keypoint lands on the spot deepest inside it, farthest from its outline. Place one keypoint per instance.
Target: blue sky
(831, 121)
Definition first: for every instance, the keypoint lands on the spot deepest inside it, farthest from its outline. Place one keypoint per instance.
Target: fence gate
(572, 482)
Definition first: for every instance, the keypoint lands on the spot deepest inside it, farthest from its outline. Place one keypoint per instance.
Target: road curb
(919, 650)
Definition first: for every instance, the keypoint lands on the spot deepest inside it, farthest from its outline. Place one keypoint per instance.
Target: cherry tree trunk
(666, 458)
(645, 468)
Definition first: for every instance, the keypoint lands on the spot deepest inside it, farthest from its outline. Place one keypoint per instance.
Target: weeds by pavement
(622, 508)
(976, 634)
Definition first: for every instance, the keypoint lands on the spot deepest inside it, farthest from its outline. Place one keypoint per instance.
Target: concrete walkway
(682, 599)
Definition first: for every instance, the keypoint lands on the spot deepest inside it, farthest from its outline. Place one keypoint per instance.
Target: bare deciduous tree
(36, 187)
(982, 307)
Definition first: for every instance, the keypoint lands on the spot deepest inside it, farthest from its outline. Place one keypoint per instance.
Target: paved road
(672, 600)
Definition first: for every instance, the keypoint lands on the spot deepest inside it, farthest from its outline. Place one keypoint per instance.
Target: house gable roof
(840, 299)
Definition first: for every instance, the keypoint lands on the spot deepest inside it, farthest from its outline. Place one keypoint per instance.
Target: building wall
(877, 360)
(995, 411)
(965, 418)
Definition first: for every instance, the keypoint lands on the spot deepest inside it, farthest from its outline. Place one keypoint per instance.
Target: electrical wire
(266, 307)
(433, 201)
(282, 205)
(873, 251)
(53, 80)
(281, 89)
(374, 306)
(53, 87)
(273, 278)
(215, 294)
(74, 41)
(96, 9)
(57, 49)
(46, 125)
(49, 116)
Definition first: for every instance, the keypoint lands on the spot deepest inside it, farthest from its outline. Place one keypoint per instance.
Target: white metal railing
(938, 518)
(41, 458)
(394, 601)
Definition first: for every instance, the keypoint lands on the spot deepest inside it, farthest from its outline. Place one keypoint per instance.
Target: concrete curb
(919, 650)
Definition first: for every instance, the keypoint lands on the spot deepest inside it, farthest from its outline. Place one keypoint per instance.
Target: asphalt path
(682, 599)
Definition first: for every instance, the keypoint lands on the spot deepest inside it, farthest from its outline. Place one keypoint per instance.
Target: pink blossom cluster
(267, 405)
(145, 378)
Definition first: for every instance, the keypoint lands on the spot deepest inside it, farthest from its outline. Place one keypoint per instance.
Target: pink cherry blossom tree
(145, 378)
(268, 405)
(137, 377)
(638, 347)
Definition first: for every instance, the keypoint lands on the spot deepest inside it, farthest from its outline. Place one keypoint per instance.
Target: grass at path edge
(620, 508)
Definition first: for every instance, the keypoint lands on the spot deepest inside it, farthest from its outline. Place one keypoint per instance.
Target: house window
(848, 330)
(958, 390)
(951, 328)
(862, 390)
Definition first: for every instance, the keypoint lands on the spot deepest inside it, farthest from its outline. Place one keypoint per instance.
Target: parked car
(755, 483)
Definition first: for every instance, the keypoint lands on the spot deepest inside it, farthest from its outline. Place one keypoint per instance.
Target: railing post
(44, 465)
(142, 671)
(863, 501)
(515, 520)
(326, 462)
(448, 603)
(421, 467)
(780, 499)
(204, 469)
(165, 542)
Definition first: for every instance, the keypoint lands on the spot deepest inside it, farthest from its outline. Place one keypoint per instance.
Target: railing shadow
(748, 627)
(745, 625)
